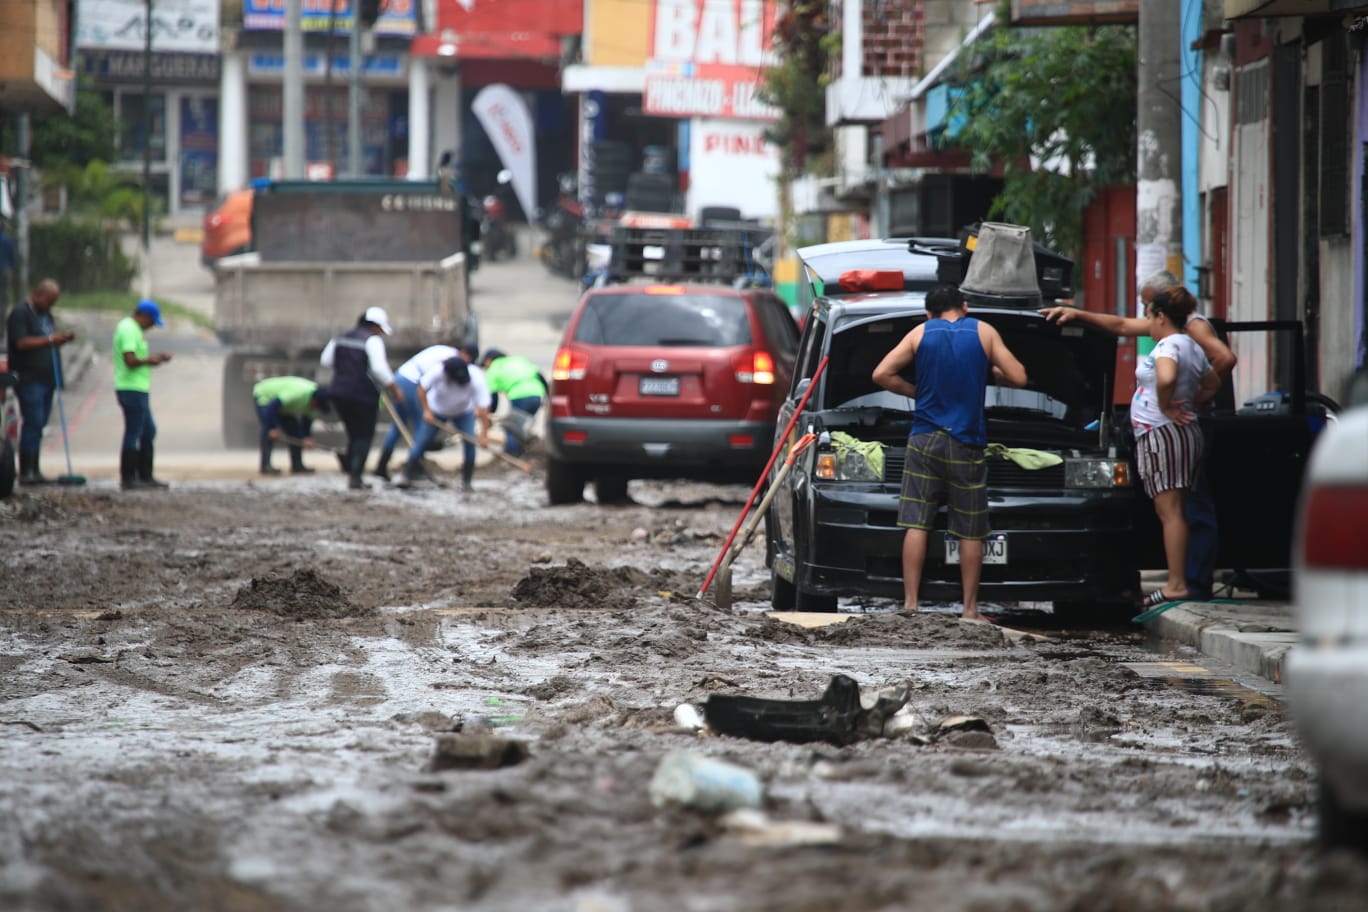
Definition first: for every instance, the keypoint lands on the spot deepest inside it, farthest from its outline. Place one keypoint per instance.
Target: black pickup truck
(1075, 533)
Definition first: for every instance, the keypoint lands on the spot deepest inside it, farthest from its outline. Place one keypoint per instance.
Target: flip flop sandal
(1157, 598)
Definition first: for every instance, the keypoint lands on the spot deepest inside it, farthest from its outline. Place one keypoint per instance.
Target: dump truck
(322, 252)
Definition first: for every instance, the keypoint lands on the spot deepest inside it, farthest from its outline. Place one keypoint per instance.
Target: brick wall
(893, 31)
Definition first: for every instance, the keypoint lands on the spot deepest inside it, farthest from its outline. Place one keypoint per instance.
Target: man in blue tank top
(952, 356)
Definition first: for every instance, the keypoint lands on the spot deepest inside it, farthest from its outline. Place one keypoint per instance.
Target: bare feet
(974, 618)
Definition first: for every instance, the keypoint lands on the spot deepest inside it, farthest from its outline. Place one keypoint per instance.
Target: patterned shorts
(1168, 456)
(940, 469)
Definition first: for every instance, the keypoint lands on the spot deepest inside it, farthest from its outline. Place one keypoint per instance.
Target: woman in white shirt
(1171, 382)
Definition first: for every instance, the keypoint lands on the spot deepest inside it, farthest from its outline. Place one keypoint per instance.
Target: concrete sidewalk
(1252, 636)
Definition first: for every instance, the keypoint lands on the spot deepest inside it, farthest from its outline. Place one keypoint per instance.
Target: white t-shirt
(1192, 364)
(449, 400)
(414, 368)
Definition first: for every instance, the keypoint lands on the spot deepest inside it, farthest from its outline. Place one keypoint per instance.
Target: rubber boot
(413, 471)
(297, 466)
(34, 475)
(382, 466)
(357, 450)
(467, 474)
(146, 457)
(128, 469)
(266, 467)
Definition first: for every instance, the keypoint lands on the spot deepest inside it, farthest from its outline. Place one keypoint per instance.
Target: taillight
(569, 365)
(757, 367)
(1335, 528)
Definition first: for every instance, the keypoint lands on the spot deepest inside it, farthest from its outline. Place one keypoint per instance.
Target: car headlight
(845, 465)
(1096, 473)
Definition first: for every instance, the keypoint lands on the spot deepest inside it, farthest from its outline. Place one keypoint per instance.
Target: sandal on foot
(1157, 598)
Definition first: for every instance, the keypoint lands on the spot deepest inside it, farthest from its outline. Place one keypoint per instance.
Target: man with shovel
(286, 407)
(452, 394)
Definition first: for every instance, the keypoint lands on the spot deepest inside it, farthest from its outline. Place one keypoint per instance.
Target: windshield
(664, 319)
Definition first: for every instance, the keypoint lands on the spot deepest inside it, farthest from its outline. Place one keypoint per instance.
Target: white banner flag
(505, 118)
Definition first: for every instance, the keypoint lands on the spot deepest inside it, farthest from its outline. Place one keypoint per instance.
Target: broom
(70, 478)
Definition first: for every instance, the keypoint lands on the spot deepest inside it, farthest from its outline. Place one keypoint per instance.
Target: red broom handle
(816, 375)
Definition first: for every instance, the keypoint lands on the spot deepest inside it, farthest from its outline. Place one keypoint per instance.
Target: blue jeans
(1199, 509)
(411, 410)
(529, 404)
(425, 434)
(35, 405)
(139, 428)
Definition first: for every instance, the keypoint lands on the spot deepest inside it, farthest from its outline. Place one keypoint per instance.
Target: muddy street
(231, 696)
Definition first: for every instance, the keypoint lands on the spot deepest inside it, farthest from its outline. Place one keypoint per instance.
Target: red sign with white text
(707, 57)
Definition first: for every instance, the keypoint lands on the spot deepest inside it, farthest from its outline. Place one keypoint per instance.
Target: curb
(1260, 652)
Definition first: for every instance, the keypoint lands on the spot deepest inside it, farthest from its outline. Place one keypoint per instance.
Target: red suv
(667, 381)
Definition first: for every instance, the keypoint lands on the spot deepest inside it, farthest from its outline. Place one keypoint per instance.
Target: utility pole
(146, 288)
(292, 109)
(354, 67)
(1159, 143)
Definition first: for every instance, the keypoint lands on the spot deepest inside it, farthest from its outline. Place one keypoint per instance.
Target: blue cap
(151, 309)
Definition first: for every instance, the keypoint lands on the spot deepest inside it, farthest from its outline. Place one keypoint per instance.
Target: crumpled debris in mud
(577, 586)
(842, 715)
(475, 751)
(302, 595)
(895, 628)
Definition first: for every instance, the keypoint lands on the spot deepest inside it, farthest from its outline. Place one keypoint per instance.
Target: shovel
(722, 595)
(340, 453)
(511, 460)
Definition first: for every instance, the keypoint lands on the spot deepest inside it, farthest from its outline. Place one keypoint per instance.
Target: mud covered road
(228, 697)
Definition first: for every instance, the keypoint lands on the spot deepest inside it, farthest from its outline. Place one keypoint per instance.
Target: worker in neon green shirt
(133, 364)
(517, 378)
(286, 407)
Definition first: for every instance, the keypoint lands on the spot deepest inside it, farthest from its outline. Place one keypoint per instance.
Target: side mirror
(504, 176)
(802, 387)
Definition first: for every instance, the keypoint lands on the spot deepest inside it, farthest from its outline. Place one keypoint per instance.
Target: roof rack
(710, 255)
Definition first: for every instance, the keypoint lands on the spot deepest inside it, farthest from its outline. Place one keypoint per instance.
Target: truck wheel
(811, 601)
(7, 469)
(611, 489)
(564, 485)
(781, 592)
(240, 427)
(1337, 826)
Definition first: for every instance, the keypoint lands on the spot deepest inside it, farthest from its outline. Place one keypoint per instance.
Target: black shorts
(941, 469)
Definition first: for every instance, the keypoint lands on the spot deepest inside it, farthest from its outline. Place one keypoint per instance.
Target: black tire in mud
(7, 468)
(611, 489)
(564, 483)
(1338, 827)
(782, 594)
(812, 602)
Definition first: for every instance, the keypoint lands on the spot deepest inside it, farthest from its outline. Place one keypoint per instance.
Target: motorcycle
(497, 240)
(562, 251)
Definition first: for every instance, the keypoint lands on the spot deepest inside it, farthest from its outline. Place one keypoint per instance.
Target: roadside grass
(125, 301)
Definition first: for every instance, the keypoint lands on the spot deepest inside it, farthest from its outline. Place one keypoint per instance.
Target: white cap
(378, 316)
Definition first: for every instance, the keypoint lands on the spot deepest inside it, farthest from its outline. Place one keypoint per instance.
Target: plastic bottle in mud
(704, 783)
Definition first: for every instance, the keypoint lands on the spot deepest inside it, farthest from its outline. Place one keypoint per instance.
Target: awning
(1236, 9)
(488, 46)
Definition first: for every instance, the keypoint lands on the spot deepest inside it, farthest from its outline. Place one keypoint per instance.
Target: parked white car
(1327, 672)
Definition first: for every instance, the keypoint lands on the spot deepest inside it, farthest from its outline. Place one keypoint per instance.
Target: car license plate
(994, 549)
(659, 386)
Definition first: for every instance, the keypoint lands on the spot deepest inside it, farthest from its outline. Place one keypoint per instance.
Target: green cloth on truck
(1023, 456)
(871, 450)
(295, 394)
(514, 376)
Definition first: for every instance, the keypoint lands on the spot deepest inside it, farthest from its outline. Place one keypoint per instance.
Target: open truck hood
(1070, 368)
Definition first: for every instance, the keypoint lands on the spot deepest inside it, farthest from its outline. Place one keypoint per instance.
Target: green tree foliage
(796, 85)
(1055, 110)
(90, 133)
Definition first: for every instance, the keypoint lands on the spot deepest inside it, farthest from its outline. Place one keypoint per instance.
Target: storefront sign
(707, 57)
(177, 25)
(397, 17)
(731, 164)
(268, 63)
(127, 66)
(198, 150)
